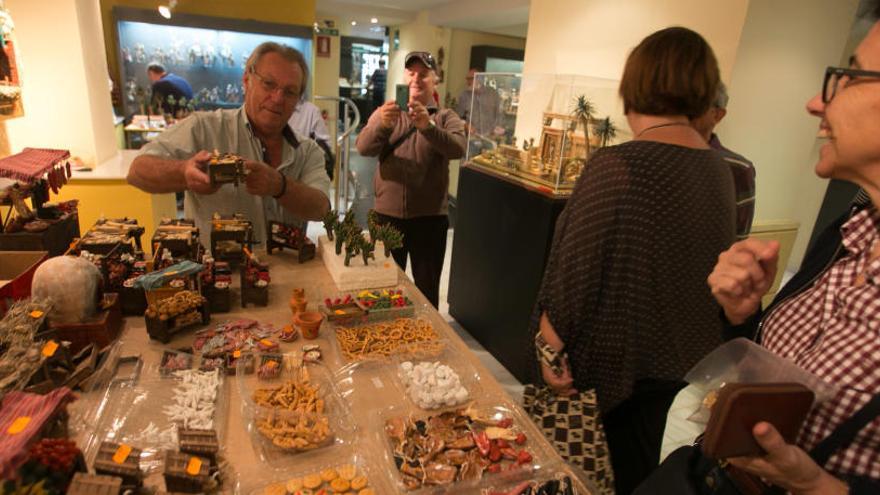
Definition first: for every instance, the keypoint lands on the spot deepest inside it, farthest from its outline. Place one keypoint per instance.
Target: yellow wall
(301, 12)
(117, 199)
(66, 93)
(460, 54)
(779, 66)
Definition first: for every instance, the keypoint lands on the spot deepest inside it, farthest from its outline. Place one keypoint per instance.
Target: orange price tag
(18, 425)
(272, 364)
(267, 342)
(236, 353)
(339, 312)
(50, 348)
(172, 272)
(121, 453)
(36, 313)
(193, 466)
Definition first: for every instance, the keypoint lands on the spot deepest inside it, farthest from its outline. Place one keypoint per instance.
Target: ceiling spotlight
(373, 20)
(354, 23)
(165, 10)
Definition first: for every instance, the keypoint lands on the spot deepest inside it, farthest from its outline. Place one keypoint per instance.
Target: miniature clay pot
(309, 322)
(298, 293)
(298, 305)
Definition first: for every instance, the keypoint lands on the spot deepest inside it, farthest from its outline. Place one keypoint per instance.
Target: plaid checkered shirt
(833, 331)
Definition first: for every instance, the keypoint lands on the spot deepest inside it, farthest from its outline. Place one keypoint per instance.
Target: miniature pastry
(359, 482)
(329, 474)
(340, 485)
(347, 472)
(312, 481)
(294, 484)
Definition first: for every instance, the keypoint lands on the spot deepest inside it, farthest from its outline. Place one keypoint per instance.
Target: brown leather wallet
(740, 406)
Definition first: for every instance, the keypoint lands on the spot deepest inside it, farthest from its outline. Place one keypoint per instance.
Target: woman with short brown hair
(624, 291)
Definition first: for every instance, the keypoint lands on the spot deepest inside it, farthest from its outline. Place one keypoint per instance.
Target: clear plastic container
(359, 471)
(441, 474)
(280, 434)
(469, 379)
(134, 408)
(557, 472)
(381, 340)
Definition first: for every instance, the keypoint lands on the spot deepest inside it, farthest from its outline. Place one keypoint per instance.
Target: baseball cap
(423, 57)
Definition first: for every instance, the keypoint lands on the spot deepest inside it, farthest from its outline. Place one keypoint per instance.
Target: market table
(369, 389)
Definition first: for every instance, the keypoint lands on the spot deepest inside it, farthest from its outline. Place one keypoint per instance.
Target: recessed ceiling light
(354, 23)
(164, 11)
(373, 20)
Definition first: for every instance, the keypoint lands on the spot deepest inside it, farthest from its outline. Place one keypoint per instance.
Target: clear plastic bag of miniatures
(743, 361)
(351, 471)
(292, 408)
(553, 479)
(480, 441)
(143, 406)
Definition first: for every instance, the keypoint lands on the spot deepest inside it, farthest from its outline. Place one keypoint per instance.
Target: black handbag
(687, 471)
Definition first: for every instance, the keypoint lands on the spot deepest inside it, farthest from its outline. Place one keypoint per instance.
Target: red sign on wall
(323, 44)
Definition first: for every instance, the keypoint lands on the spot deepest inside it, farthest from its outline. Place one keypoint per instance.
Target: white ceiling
(506, 17)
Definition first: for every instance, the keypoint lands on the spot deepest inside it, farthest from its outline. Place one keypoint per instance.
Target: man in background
(414, 146)
(377, 84)
(308, 121)
(743, 170)
(480, 107)
(165, 83)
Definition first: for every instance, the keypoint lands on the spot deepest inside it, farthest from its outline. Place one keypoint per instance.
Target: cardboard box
(16, 273)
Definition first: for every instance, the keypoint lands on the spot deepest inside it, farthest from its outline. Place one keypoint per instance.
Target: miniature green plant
(391, 238)
(331, 220)
(584, 110)
(353, 246)
(368, 249)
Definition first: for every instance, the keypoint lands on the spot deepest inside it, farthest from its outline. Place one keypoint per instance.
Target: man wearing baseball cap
(414, 147)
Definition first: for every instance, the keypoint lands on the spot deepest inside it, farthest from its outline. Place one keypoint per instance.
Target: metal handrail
(343, 149)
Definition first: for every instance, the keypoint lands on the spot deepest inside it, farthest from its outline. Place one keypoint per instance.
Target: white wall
(594, 37)
(785, 47)
(65, 93)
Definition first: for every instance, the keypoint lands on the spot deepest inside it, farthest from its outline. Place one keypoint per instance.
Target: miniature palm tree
(583, 112)
(368, 249)
(373, 224)
(606, 130)
(331, 220)
(353, 246)
(391, 238)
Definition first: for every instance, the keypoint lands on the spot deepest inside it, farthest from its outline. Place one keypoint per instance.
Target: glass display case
(540, 129)
(212, 60)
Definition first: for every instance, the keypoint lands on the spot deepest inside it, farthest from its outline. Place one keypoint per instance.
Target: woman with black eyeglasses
(827, 318)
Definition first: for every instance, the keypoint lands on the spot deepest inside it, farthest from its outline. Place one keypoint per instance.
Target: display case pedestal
(503, 235)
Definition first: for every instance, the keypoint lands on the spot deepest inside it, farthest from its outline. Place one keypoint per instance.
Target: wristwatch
(547, 355)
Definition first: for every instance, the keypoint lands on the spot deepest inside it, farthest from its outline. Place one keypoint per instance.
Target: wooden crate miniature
(232, 363)
(226, 169)
(234, 230)
(180, 236)
(219, 299)
(133, 301)
(56, 239)
(162, 330)
(94, 484)
(101, 329)
(177, 472)
(109, 235)
(129, 469)
(280, 236)
(343, 313)
(202, 443)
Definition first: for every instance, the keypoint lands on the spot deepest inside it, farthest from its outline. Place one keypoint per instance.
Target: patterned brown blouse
(625, 285)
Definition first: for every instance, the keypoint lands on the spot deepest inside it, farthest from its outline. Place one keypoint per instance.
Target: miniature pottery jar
(298, 305)
(309, 322)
